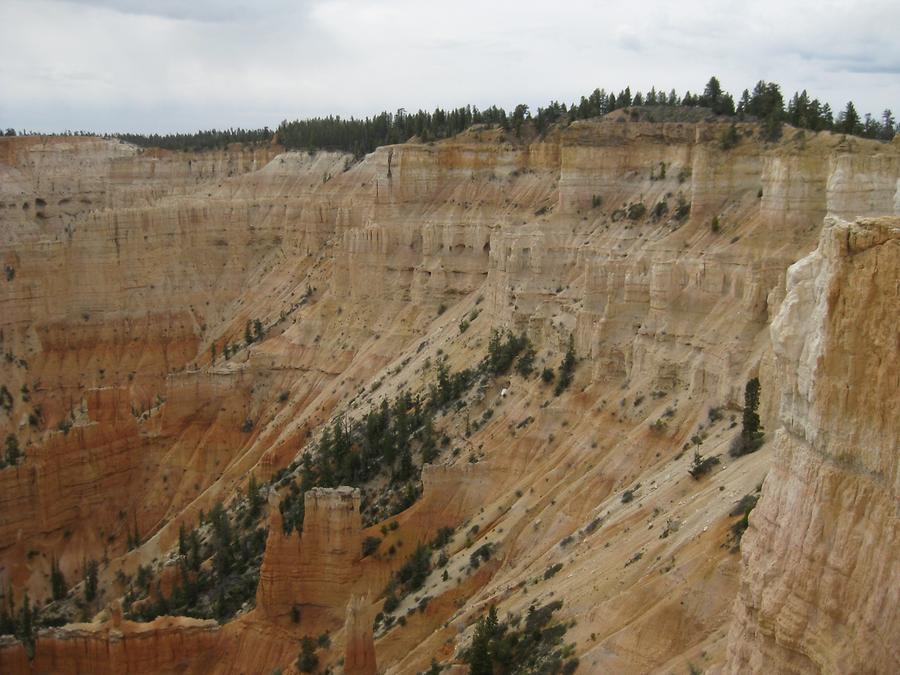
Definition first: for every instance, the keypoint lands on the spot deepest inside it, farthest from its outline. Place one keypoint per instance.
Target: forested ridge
(764, 103)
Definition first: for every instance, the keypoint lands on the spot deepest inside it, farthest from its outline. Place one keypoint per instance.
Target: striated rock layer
(318, 568)
(166, 645)
(821, 585)
(129, 275)
(359, 650)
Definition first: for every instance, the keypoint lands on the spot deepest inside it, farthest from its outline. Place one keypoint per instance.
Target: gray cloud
(194, 10)
(166, 65)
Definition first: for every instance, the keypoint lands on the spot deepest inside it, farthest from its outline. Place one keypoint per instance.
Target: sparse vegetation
(701, 465)
(370, 545)
(729, 138)
(511, 647)
(307, 661)
(58, 586)
(551, 571)
(751, 436)
(12, 453)
(234, 543)
(566, 368)
(91, 567)
(742, 509)
(635, 211)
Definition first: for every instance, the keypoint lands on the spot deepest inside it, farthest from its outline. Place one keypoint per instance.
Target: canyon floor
(263, 396)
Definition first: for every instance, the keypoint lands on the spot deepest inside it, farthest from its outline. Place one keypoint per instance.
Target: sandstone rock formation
(129, 274)
(318, 568)
(359, 650)
(167, 645)
(821, 583)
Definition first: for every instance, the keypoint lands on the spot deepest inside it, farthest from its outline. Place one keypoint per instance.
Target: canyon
(177, 324)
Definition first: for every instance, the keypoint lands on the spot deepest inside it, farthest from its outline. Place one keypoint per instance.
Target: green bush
(636, 211)
(729, 137)
(370, 545)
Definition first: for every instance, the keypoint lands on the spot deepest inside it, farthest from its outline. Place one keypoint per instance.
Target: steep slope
(820, 587)
(660, 253)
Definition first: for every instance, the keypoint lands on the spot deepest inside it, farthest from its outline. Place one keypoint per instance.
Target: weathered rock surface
(166, 645)
(318, 568)
(130, 272)
(359, 648)
(821, 583)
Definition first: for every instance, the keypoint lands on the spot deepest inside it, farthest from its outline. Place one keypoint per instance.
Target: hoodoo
(611, 391)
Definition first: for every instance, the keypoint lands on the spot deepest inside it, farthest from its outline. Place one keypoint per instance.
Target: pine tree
(57, 580)
(12, 449)
(750, 426)
(888, 125)
(182, 540)
(480, 661)
(25, 627)
(751, 436)
(567, 367)
(91, 568)
(848, 121)
(307, 661)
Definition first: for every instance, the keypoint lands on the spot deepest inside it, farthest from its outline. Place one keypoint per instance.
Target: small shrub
(370, 545)
(682, 211)
(661, 209)
(729, 138)
(633, 559)
(701, 465)
(636, 211)
(551, 571)
(307, 661)
(390, 603)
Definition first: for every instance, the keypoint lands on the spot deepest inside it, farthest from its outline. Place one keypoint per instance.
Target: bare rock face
(359, 649)
(821, 586)
(318, 567)
(165, 645)
(130, 276)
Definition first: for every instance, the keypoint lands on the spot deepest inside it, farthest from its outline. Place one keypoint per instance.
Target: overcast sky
(177, 65)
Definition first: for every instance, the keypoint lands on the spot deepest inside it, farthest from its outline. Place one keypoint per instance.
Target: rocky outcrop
(821, 583)
(318, 568)
(166, 645)
(359, 647)
(660, 252)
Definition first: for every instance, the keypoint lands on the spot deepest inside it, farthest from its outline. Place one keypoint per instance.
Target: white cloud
(166, 65)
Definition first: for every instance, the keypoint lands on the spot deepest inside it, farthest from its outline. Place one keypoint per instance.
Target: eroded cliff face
(133, 271)
(820, 586)
(166, 645)
(315, 570)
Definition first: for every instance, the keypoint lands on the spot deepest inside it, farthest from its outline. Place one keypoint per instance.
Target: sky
(170, 65)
